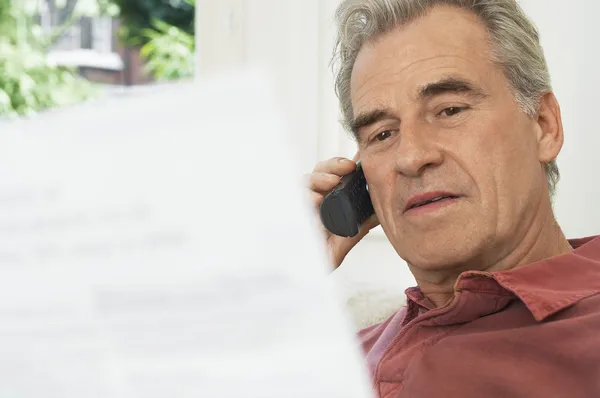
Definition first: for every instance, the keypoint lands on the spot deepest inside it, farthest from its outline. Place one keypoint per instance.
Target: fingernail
(343, 160)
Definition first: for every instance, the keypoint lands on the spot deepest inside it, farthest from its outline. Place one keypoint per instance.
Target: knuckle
(320, 166)
(327, 165)
(317, 198)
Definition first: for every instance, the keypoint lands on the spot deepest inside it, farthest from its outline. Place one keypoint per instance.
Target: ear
(550, 129)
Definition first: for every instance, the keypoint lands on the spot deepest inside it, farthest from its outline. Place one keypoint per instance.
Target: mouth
(429, 201)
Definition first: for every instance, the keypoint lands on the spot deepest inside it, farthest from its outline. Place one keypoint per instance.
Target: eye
(453, 110)
(384, 135)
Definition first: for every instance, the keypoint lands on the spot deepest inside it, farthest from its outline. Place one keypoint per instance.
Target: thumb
(370, 223)
(346, 244)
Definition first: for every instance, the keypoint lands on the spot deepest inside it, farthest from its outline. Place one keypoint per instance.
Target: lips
(428, 198)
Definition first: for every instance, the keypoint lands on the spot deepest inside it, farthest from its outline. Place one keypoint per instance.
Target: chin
(439, 252)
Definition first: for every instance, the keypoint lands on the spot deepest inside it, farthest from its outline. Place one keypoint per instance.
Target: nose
(415, 153)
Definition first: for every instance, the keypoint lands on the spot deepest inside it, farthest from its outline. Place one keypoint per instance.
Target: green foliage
(139, 15)
(28, 83)
(169, 52)
(165, 31)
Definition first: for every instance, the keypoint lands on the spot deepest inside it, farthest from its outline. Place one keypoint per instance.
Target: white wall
(570, 36)
(296, 37)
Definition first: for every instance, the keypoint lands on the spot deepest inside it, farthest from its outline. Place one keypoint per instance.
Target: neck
(545, 241)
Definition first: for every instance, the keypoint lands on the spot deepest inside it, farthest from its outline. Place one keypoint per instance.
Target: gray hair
(514, 40)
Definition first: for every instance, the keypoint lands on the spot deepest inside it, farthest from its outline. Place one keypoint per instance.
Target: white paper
(163, 247)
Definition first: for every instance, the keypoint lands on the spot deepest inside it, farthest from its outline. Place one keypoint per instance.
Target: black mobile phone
(348, 205)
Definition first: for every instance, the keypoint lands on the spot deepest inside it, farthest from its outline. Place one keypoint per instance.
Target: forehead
(446, 41)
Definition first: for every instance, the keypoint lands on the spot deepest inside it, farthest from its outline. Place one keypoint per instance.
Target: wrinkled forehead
(446, 41)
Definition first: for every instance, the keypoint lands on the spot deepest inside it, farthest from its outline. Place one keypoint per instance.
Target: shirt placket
(390, 385)
(474, 297)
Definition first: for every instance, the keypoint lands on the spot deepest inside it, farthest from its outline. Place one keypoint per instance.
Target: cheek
(380, 178)
(520, 176)
(505, 172)
(515, 155)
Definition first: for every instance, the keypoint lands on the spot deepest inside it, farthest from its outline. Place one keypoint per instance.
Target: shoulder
(381, 332)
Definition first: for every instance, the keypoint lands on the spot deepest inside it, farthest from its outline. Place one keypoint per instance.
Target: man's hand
(322, 180)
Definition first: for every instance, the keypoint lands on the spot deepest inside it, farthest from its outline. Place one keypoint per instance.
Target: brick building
(91, 45)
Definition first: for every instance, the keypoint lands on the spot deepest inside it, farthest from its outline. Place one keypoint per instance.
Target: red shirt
(530, 332)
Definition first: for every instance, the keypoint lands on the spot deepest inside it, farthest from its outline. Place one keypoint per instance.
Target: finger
(338, 166)
(323, 182)
(316, 198)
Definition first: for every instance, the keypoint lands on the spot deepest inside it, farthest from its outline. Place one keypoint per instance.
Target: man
(458, 131)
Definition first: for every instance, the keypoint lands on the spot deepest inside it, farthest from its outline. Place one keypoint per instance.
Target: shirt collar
(549, 286)
(545, 287)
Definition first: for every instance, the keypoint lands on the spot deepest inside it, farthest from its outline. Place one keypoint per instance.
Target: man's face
(437, 120)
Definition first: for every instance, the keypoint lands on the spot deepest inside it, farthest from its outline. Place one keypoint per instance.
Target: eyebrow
(369, 118)
(445, 85)
(451, 85)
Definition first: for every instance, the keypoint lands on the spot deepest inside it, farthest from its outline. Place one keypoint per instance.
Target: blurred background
(62, 52)
(59, 53)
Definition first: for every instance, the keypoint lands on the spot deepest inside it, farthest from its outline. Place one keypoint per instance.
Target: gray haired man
(458, 131)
